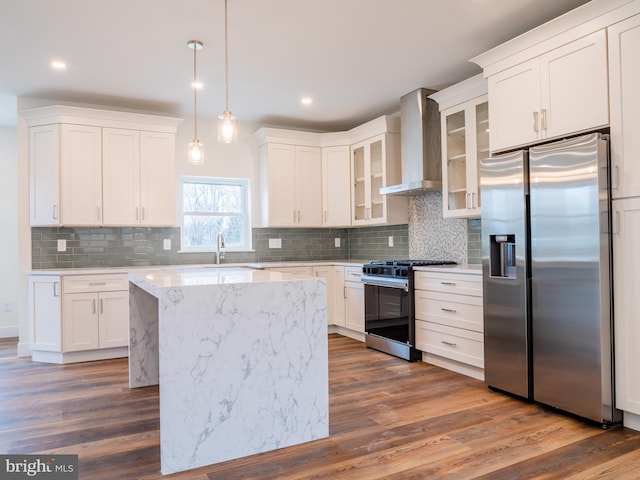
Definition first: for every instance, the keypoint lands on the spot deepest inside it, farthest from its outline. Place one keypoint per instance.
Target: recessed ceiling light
(58, 65)
(306, 101)
(197, 85)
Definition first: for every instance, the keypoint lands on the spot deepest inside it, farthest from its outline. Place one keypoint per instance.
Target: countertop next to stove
(463, 268)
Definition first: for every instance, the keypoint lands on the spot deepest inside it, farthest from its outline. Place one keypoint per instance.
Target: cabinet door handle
(448, 344)
(56, 289)
(535, 122)
(98, 213)
(101, 305)
(615, 224)
(94, 305)
(447, 283)
(142, 214)
(298, 216)
(137, 213)
(294, 215)
(54, 213)
(474, 202)
(544, 119)
(615, 180)
(450, 310)
(344, 292)
(96, 284)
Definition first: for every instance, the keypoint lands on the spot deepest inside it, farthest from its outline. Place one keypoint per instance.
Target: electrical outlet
(275, 243)
(62, 245)
(166, 244)
(337, 242)
(8, 307)
(391, 241)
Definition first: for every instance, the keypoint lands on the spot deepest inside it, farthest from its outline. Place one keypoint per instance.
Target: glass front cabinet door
(465, 141)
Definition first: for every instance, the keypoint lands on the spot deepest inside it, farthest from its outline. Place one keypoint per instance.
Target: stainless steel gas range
(389, 319)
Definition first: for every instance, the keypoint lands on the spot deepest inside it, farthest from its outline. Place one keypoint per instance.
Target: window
(215, 205)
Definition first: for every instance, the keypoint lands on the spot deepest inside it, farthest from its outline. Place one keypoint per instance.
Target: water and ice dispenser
(502, 256)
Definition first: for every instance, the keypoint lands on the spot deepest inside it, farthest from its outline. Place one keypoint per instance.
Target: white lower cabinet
(354, 299)
(79, 317)
(626, 259)
(449, 320)
(45, 313)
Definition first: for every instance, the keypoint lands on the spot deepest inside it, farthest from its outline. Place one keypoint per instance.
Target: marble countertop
(132, 269)
(154, 280)
(470, 269)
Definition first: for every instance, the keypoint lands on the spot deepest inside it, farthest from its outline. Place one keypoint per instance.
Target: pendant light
(196, 149)
(227, 123)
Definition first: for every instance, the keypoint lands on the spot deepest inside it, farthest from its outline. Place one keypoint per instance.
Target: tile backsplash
(427, 235)
(141, 246)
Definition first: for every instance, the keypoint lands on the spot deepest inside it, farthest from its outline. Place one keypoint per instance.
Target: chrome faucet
(219, 249)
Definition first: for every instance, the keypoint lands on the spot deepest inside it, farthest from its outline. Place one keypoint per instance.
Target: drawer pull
(448, 283)
(96, 284)
(448, 344)
(450, 310)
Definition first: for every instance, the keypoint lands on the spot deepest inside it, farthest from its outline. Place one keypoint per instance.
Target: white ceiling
(354, 57)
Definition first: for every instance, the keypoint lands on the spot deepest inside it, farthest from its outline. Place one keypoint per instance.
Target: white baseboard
(74, 357)
(346, 332)
(453, 365)
(631, 420)
(9, 332)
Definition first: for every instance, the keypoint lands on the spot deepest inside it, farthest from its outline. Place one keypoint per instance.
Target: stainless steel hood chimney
(421, 158)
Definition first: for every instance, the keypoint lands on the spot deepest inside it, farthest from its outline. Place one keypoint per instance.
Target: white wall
(236, 160)
(9, 273)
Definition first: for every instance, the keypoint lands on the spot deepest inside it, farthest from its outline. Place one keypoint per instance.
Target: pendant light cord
(226, 60)
(195, 89)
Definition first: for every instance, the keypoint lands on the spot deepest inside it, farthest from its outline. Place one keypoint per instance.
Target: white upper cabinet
(66, 175)
(121, 176)
(375, 163)
(369, 175)
(81, 174)
(293, 176)
(44, 167)
(624, 77)
(561, 92)
(139, 177)
(336, 187)
(464, 113)
(157, 179)
(93, 167)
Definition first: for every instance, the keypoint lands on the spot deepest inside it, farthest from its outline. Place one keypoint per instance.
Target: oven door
(388, 309)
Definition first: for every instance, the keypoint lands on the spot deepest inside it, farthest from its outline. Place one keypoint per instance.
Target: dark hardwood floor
(388, 419)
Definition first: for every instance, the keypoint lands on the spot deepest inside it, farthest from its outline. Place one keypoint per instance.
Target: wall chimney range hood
(421, 159)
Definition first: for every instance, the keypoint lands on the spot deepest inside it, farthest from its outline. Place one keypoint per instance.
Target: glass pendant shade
(227, 128)
(196, 152)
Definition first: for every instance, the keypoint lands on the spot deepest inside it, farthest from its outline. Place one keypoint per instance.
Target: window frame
(246, 214)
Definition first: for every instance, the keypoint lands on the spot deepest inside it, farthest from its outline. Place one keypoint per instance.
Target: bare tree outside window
(211, 206)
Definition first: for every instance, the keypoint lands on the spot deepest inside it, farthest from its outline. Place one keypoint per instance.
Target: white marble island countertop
(240, 356)
(154, 280)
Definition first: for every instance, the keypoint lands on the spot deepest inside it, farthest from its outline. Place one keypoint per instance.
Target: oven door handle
(403, 285)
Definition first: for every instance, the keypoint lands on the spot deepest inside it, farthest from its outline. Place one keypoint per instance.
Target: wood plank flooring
(389, 419)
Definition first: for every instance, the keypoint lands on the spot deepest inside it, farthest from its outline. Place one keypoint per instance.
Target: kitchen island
(240, 356)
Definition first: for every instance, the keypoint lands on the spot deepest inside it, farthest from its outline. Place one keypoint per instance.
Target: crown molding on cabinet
(385, 123)
(100, 118)
(577, 23)
(461, 92)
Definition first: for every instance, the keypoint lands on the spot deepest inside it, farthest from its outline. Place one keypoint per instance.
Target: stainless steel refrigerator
(546, 256)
